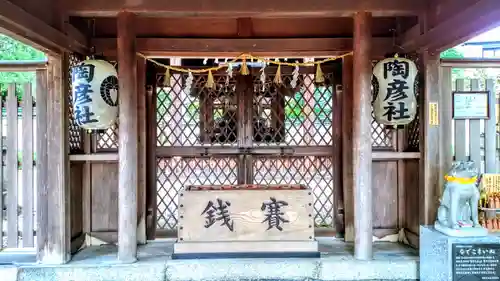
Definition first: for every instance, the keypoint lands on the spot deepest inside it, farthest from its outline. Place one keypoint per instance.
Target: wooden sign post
(471, 105)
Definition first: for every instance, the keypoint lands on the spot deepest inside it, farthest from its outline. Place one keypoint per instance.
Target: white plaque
(471, 105)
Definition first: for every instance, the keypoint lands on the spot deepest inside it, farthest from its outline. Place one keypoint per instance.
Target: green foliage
(12, 50)
(194, 108)
(293, 110)
(322, 105)
(294, 107)
(20, 159)
(163, 101)
(452, 53)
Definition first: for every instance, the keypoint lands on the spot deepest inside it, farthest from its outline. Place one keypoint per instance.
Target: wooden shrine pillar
(127, 139)
(361, 137)
(347, 114)
(430, 162)
(141, 150)
(53, 202)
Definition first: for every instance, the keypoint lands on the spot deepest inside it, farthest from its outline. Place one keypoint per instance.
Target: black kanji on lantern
(83, 71)
(396, 112)
(394, 105)
(82, 75)
(396, 90)
(274, 215)
(83, 115)
(218, 212)
(397, 68)
(82, 94)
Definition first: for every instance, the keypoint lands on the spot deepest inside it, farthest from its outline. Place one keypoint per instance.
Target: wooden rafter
(189, 47)
(255, 8)
(455, 28)
(191, 27)
(25, 27)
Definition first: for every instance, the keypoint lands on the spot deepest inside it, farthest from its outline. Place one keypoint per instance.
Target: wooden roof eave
(16, 22)
(239, 9)
(455, 28)
(271, 47)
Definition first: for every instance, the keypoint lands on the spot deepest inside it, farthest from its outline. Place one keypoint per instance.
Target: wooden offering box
(246, 221)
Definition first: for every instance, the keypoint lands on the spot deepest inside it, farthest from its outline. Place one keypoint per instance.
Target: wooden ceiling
(197, 27)
(239, 9)
(257, 19)
(415, 25)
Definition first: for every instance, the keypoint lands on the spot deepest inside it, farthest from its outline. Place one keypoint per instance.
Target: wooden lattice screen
(178, 125)
(107, 140)
(75, 132)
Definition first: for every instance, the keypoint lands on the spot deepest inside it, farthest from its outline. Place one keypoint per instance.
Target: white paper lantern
(95, 94)
(394, 87)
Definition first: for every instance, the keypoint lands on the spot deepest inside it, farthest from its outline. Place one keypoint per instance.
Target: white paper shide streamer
(189, 83)
(229, 72)
(295, 77)
(263, 76)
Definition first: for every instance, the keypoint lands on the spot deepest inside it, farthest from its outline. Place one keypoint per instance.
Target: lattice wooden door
(244, 131)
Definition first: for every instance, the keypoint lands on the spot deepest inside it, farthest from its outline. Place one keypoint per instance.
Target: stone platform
(436, 252)
(392, 262)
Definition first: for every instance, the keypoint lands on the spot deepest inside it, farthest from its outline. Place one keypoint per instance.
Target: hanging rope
(244, 58)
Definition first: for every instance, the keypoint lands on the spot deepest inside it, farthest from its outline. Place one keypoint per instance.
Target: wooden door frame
(245, 152)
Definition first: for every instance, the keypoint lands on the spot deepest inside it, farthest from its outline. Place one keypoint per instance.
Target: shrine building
(232, 132)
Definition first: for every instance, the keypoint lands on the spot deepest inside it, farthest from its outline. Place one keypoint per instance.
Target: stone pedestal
(462, 232)
(436, 253)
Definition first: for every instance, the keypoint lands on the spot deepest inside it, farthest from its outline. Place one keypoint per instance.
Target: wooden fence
(476, 139)
(18, 203)
(18, 169)
(469, 139)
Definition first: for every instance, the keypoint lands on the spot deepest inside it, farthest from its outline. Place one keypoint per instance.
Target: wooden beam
(42, 167)
(410, 40)
(22, 25)
(11, 166)
(446, 123)
(490, 148)
(58, 203)
(244, 27)
(21, 66)
(361, 137)
(309, 27)
(190, 47)
(255, 8)
(27, 166)
(391, 156)
(429, 142)
(347, 161)
(339, 206)
(142, 141)
(151, 165)
(127, 140)
(454, 29)
(87, 184)
(471, 63)
(95, 157)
